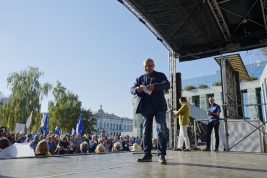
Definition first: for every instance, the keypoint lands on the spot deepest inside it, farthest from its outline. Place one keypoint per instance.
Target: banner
(19, 128)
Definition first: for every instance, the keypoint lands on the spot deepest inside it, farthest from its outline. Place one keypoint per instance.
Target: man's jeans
(216, 131)
(160, 117)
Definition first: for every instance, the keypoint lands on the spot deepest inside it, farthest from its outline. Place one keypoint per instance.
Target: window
(244, 96)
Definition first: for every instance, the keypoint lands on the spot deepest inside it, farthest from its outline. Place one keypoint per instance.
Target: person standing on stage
(214, 116)
(151, 103)
(183, 113)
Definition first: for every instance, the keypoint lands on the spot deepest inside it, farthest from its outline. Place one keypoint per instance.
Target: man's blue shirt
(215, 108)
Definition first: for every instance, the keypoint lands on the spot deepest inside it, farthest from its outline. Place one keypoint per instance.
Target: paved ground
(195, 164)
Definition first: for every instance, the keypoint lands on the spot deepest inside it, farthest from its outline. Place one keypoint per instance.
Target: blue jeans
(160, 117)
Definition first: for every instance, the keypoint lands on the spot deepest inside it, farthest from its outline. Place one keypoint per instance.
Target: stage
(193, 164)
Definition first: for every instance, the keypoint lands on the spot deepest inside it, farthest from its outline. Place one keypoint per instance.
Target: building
(251, 91)
(110, 124)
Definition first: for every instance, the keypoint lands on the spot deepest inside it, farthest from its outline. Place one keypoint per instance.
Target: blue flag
(44, 121)
(57, 130)
(79, 127)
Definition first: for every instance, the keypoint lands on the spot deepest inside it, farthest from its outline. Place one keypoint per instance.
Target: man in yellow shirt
(183, 113)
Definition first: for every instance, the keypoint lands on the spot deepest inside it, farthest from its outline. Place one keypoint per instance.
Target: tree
(26, 96)
(66, 109)
(202, 86)
(189, 87)
(217, 84)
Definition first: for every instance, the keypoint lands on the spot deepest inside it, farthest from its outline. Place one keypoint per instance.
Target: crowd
(52, 144)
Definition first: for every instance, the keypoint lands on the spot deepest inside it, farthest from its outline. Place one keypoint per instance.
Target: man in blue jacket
(151, 103)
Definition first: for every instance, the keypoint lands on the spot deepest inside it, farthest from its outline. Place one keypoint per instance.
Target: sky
(95, 49)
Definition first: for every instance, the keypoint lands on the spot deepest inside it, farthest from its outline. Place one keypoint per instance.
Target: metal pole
(195, 130)
(171, 103)
(225, 99)
(174, 99)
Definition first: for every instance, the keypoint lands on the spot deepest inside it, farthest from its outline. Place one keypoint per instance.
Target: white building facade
(110, 124)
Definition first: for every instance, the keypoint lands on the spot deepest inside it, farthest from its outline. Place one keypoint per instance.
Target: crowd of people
(52, 144)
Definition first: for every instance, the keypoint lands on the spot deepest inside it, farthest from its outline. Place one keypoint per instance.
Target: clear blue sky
(95, 48)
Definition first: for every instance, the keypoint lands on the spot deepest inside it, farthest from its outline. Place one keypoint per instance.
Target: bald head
(211, 100)
(149, 66)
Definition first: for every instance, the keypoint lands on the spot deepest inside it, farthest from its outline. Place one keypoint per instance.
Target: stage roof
(238, 65)
(197, 29)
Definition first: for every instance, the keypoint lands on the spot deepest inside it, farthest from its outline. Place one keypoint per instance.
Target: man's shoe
(144, 159)
(162, 159)
(206, 149)
(186, 150)
(177, 149)
(216, 149)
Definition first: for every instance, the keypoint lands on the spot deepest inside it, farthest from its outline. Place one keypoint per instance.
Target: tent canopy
(197, 29)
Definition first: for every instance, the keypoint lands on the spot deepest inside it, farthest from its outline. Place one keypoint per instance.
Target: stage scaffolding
(230, 77)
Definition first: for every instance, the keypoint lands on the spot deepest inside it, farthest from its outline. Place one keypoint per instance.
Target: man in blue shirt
(151, 103)
(214, 116)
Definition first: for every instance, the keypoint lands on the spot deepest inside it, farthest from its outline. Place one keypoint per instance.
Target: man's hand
(208, 112)
(175, 114)
(150, 87)
(139, 89)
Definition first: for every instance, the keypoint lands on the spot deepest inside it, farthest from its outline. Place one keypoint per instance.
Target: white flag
(28, 123)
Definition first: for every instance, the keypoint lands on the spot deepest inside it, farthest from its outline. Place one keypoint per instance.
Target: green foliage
(217, 84)
(26, 96)
(202, 86)
(189, 87)
(66, 109)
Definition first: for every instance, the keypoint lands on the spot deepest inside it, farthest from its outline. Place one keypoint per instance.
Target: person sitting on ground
(135, 147)
(137, 140)
(21, 138)
(52, 145)
(100, 148)
(116, 146)
(84, 148)
(4, 143)
(71, 142)
(34, 143)
(63, 146)
(42, 149)
(92, 144)
(77, 142)
(154, 144)
(29, 138)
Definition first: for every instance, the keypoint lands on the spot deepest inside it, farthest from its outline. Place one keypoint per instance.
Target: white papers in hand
(146, 90)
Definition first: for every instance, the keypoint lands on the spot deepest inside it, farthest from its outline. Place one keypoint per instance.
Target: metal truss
(264, 12)
(173, 102)
(219, 18)
(146, 22)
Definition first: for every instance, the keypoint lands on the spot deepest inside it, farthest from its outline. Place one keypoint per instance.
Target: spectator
(63, 146)
(21, 138)
(137, 140)
(4, 143)
(84, 147)
(77, 141)
(116, 146)
(135, 147)
(122, 142)
(34, 143)
(29, 138)
(42, 149)
(92, 144)
(154, 144)
(52, 145)
(71, 142)
(100, 148)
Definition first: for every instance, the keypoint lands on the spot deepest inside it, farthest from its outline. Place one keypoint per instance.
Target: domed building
(110, 124)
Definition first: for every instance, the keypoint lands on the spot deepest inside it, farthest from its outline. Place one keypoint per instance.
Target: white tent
(17, 150)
